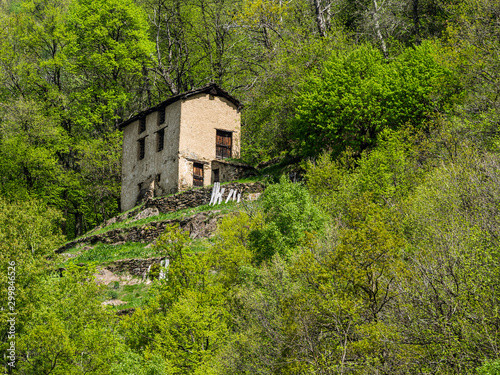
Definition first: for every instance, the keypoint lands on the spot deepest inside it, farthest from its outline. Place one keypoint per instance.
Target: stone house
(179, 144)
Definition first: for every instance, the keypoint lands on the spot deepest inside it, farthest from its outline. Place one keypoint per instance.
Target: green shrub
(289, 214)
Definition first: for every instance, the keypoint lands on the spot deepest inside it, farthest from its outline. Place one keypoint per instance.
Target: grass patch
(185, 213)
(104, 253)
(199, 245)
(134, 294)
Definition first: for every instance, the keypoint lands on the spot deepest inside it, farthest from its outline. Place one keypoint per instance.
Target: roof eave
(211, 89)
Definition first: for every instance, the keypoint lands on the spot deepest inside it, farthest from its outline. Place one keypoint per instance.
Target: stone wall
(161, 167)
(201, 225)
(197, 197)
(230, 171)
(135, 267)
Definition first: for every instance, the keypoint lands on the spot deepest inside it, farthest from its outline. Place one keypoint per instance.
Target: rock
(253, 196)
(135, 267)
(110, 221)
(122, 217)
(148, 212)
(118, 243)
(125, 312)
(114, 302)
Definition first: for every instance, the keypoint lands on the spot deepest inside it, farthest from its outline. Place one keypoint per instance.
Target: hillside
(123, 247)
(374, 127)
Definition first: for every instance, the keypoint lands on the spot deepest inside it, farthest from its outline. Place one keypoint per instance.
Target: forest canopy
(382, 259)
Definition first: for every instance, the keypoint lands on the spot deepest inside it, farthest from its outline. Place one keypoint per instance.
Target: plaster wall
(158, 169)
(201, 116)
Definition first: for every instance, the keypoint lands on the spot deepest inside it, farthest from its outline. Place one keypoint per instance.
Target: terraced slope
(122, 248)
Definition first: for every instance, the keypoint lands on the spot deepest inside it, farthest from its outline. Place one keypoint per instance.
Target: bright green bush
(490, 368)
(358, 93)
(289, 214)
(389, 172)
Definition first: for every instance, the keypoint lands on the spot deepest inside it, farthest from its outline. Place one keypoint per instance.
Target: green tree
(358, 94)
(261, 341)
(71, 69)
(30, 143)
(289, 214)
(100, 171)
(489, 368)
(388, 173)
(472, 41)
(270, 105)
(186, 320)
(231, 252)
(108, 49)
(70, 332)
(448, 310)
(350, 285)
(196, 43)
(29, 233)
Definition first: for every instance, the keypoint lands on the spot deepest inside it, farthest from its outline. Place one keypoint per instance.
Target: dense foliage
(383, 260)
(357, 94)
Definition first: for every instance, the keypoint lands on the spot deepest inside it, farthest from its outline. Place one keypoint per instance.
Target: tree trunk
(377, 28)
(416, 23)
(320, 22)
(64, 225)
(78, 224)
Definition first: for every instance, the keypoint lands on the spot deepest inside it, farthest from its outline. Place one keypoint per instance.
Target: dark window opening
(161, 116)
(216, 175)
(142, 148)
(197, 174)
(160, 136)
(223, 144)
(158, 177)
(142, 124)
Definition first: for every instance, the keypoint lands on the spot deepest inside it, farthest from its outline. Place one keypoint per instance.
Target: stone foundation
(197, 197)
(229, 171)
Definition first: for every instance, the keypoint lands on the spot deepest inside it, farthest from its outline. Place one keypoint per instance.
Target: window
(161, 116)
(160, 139)
(142, 148)
(223, 144)
(158, 177)
(216, 175)
(142, 124)
(197, 174)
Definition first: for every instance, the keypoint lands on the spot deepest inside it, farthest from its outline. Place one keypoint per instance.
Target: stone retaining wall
(135, 267)
(200, 225)
(201, 196)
